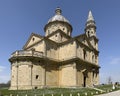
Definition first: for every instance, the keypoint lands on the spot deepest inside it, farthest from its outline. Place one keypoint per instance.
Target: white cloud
(115, 61)
(2, 68)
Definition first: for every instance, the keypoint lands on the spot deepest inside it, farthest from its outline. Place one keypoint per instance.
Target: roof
(58, 16)
(90, 17)
(33, 34)
(59, 30)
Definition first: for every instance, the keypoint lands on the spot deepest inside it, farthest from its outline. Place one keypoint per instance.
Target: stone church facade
(57, 59)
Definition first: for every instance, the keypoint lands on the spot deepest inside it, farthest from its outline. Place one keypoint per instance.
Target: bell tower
(90, 30)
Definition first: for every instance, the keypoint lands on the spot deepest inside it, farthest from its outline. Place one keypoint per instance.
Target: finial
(90, 16)
(58, 11)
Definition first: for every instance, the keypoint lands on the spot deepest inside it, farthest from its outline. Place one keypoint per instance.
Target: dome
(58, 16)
(58, 20)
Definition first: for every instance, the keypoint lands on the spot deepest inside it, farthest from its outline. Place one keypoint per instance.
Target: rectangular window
(84, 54)
(37, 76)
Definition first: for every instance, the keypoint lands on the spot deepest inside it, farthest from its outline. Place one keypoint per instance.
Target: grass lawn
(57, 91)
(108, 87)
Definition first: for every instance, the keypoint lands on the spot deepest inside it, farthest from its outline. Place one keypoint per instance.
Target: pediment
(59, 31)
(34, 38)
(58, 36)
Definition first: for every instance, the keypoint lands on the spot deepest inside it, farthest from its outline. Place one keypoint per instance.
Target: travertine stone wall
(88, 56)
(51, 50)
(37, 76)
(13, 77)
(39, 47)
(52, 75)
(69, 51)
(79, 75)
(24, 75)
(68, 75)
(79, 51)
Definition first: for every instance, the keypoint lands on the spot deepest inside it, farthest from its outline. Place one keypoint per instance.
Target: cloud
(2, 68)
(115, 61)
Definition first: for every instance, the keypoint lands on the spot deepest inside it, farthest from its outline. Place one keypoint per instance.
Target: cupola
(58, 21)
(58, 16)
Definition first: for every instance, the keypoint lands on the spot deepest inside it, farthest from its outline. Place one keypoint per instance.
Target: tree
(2, 85)
(8, 83)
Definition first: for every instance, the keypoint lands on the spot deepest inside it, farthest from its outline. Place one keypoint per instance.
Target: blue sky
(19, 18)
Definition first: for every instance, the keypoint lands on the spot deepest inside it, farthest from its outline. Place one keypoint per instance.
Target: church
(57, 59)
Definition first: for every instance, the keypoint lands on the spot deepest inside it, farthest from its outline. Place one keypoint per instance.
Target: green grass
(108, 87)
(50, 91)
(56, 91)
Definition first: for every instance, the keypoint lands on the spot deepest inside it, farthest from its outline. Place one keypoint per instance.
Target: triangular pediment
(58, 36)
(34, 38)
(59, 31)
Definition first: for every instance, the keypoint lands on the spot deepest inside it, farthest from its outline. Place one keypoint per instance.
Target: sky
(19, 18)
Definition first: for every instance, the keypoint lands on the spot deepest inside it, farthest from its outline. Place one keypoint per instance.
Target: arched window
(88, 33)
(93, 58)
(61, 37)
(33, 39)
(84, 54)
(48, 32)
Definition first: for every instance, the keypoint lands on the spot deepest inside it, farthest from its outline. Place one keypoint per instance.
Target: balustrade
(27, 53)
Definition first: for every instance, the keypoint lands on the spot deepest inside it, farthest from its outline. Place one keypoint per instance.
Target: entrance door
(84, 81)
(85, 75)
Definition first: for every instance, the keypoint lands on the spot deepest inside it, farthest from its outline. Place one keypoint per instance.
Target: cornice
(57, 22)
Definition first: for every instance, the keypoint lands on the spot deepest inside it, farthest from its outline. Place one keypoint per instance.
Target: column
(17, 69)
(30, 68)
(43, 76)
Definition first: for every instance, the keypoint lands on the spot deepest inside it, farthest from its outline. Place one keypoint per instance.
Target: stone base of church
(20, 87)
(42, 87)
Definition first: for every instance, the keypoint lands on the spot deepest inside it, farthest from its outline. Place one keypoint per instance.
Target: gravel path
(115, 93)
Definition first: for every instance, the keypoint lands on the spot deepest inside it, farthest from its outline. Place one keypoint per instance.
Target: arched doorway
(84, 81)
